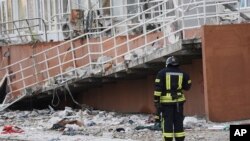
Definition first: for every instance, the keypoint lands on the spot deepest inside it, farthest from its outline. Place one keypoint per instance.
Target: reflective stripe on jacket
(169, 85)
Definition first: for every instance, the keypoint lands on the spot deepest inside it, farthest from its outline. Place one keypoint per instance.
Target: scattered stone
(90, 124)
(120, 129)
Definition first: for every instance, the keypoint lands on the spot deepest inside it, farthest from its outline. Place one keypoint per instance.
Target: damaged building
(105, 53)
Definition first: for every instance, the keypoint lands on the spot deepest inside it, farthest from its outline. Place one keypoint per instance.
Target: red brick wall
(226, 65)
(137, 95)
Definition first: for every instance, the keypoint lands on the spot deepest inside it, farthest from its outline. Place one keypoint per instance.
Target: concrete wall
(137, 95)
(226, 65)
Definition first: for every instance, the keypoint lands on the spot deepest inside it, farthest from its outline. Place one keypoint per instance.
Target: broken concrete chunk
(9, 115)
(34, 113)
(103, 63)
(139, 52)
(54, 120)
(104, 59)
(50, 82)
(62, 124)
(130, 56)
(67, 112)
(217, 127)
(51, 109)
(90, 123)
(82, 71)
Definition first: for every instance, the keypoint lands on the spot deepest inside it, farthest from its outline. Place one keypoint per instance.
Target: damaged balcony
(130, 50)
(136, 65)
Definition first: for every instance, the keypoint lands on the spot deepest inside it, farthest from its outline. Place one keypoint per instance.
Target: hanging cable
(65, 94)
(67, 88)
(58, 99)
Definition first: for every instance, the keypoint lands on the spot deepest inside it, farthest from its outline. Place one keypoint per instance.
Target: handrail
(25, 27)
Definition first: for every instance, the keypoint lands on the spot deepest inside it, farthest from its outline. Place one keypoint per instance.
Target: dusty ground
(101, 126)
(207, 135)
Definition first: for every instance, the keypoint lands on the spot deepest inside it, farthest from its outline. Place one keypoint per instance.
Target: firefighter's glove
(175, 96)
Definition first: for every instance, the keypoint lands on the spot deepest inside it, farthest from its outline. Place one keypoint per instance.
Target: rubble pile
(81, 125)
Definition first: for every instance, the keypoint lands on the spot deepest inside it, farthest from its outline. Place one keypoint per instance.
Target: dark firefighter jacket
(169, 85)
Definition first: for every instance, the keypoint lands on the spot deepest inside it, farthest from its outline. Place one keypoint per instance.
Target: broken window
(50, 13)
(63, 8)
(169, 6)
(158, 10)
(105, 5)
(244, 3)
(132, 9)
(145, 6)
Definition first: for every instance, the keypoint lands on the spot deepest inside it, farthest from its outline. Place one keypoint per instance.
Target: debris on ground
(84, 125)
(8, 129)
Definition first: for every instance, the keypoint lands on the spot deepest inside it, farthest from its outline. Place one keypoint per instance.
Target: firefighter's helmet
(173, 61)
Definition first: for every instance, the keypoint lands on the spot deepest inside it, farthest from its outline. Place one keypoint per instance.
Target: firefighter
(169, 99)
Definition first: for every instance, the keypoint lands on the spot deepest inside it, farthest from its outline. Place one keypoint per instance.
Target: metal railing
(25, 30)
(72, 60)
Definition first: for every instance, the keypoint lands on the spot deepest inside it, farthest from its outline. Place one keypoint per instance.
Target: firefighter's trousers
(172, 122)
